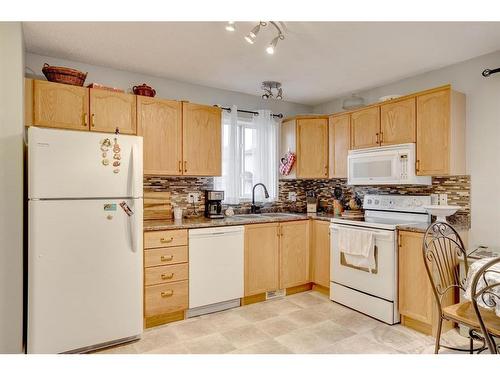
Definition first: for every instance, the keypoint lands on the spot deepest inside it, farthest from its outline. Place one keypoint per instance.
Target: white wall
(165, 88)
(483, 133)
(11, 187)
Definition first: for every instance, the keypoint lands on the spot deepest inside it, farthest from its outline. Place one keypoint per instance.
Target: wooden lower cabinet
(261, 258)
(294, 253)
(166, 275)
(320, 253)
(417, 305)
(276, 256)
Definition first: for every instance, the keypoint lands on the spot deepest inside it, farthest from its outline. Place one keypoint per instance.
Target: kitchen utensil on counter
(61, 74)
(338, 206)
(157, 205)
(177, 213)
(312, 202)
(355, 203)
(144, 90)
(213, 204)
(353, 214)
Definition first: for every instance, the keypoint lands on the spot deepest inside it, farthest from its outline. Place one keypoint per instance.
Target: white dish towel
(358, 247)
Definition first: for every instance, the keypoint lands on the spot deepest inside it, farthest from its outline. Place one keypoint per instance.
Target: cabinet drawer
(165, 298)
(163, 274)
(165, 255)
(165, 238)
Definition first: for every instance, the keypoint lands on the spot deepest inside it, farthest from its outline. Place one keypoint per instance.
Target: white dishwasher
(216, 269)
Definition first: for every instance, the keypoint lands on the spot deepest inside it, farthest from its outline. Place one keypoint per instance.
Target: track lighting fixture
(252, 35)
(268, 87)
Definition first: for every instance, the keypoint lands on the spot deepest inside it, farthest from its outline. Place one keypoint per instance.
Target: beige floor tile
(211, 344)
(330, 331)
(128, 348)
(255, 313)
(306, 317)
(265, 347)
(307, 299)
(277, 326)
(193, 328)
(281, 306)
(302, 341)
(224, 320)
(176, 348)
(397, 339)
(357, 344)
(357, 322)
(245, 336)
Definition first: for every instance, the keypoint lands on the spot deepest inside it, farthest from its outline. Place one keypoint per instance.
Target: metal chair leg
(438, 335)
(471, 347)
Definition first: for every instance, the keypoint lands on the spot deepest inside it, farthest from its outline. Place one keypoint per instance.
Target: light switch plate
(193, 197)
(292, 196)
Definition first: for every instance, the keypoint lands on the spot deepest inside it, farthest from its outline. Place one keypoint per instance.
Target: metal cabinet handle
(92, 120)
(166, 240)
(417, 165)
(168, 293)
(381, 137)
(84, 119)
(378, 137)
(180, 166)
(164, 276)
(185, 166)
(164, 258)
(326, 170)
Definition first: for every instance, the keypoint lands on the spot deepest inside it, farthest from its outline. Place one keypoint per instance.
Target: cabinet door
(415, 293)
(339, 134)
(320, 253)
(160, 123)
(60, 106)
(398, 122)
(261, 258)
(312, 148)
(433, 133)
(365, 128)
(111, 110)
(201, 140)
(294, 253)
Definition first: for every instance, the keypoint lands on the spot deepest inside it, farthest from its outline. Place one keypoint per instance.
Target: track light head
(253, 33)
(249, 39)
(272, 46)
(230, 26)
(279, 96)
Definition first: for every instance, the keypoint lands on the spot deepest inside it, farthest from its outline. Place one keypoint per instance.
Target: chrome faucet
(256, 209)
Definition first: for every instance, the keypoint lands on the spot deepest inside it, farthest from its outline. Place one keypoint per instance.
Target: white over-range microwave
(386, 165)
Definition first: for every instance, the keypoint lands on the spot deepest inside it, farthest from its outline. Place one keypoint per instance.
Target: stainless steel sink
(247, 216)
(264, 215)
(279, 214)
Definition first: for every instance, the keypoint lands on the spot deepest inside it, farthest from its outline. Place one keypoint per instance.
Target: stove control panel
(404, 203)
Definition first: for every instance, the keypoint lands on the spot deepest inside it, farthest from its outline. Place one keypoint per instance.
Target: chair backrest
(442, 249)
(485, 291)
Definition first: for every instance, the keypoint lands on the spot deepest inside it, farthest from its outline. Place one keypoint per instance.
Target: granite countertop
(203, 222)
(422, 227)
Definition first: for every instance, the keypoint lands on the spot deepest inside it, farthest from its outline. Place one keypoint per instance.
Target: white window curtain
(249, 155)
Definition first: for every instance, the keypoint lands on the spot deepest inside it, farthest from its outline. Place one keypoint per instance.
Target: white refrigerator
(84, 240)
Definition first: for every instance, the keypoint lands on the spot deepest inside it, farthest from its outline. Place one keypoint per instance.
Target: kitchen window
(249, 156)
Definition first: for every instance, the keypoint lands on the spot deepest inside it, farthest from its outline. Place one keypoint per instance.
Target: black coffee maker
(213, 204)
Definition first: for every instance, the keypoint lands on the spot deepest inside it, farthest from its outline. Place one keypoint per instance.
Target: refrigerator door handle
(134, 161)
(132, 225)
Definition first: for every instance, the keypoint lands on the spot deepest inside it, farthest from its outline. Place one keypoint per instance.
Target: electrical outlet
(193, 197)
(292, 196)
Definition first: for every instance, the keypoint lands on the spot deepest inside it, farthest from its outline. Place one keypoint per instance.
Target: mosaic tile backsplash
(457, 188)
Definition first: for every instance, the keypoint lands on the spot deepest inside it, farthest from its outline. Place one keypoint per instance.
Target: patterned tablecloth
(491, 300)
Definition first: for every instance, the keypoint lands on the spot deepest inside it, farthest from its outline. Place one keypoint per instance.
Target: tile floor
(301, 323)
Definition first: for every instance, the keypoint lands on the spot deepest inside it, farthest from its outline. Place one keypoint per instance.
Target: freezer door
(85, 277)
(69, 164)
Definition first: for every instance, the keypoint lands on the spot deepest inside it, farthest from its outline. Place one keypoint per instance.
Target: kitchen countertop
(203, 222)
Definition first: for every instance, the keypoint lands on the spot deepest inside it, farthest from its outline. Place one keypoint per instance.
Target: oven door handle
(377, 233)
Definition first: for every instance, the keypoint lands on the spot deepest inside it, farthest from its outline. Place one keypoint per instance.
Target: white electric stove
(374, 292)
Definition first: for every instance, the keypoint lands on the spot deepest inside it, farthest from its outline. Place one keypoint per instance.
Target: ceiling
(316, 62)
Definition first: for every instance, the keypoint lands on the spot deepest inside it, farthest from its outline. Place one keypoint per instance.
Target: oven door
(374, 168)
(380, 282)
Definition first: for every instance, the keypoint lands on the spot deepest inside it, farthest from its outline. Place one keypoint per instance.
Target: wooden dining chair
(485, 291)
(442, 250)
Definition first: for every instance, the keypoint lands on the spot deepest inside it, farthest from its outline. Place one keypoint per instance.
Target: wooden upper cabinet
(160, 123)
(441, 133)
(365, 127)
(261, 258)
(398, 122)
(415, 293)
(312, 148)
(111, 110)
(201, 140)
(339, 134)
(57, 106)
(320, 253)
(294, 253)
